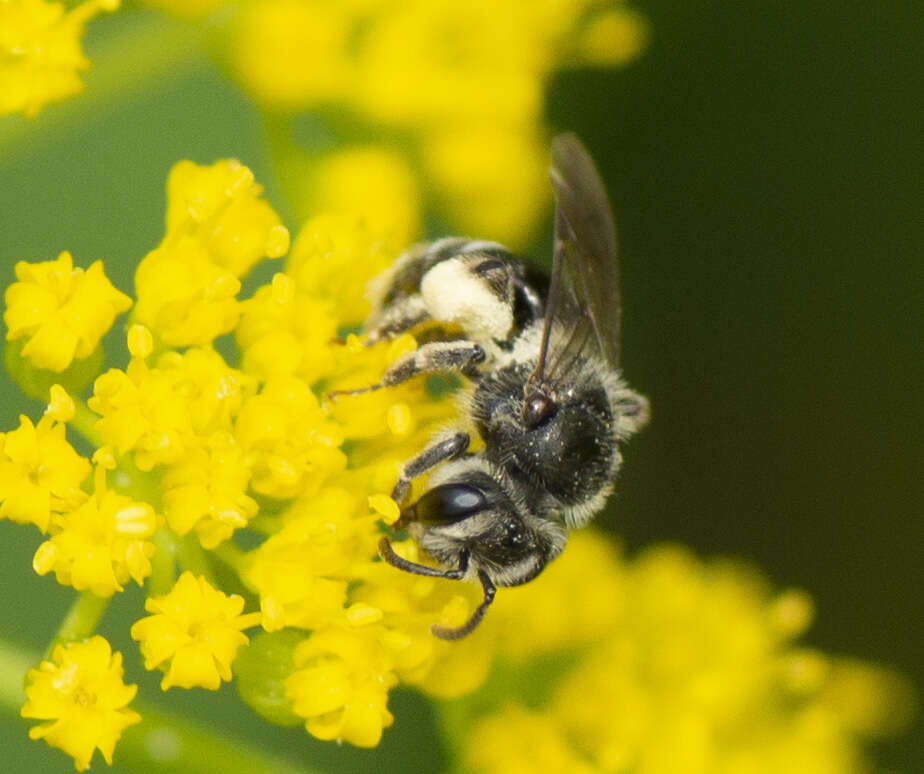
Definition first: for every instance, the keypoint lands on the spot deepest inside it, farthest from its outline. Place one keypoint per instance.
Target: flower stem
(164, 741)
(81, 619)
(84, 422)
(163, 563)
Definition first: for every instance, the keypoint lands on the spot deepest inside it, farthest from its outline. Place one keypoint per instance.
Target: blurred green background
(765, 163)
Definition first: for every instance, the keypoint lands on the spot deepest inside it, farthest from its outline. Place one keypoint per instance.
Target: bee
(541, 353)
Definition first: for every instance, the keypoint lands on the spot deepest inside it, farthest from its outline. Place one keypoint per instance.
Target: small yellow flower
(193, 634)
(206, 490)
(101, 544)
(341, 685)
(285, 330)
(302, 571)
(159, 413)
(140, 412)
(81, 699)
(40, 53)
(62, 311)
(219, 207)
(40, 472)
(217, 229)
(334, 256)
(183, 296)
(290, 445)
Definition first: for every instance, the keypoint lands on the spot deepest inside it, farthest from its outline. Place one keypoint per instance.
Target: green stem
(84, 422)
(194, 558)
(164, 741)
(81, 619)
(163, 563)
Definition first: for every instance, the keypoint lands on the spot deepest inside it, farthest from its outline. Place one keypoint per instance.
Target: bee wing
(585, 250)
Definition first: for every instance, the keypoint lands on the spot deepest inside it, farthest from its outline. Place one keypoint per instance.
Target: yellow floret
(61, 311)
(289, 443)
(81, 699)
(101, 544)
(219, 207)
(40, 472)
(341, 685)
(193, 634)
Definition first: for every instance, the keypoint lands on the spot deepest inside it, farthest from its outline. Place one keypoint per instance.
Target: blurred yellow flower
(452, 91)
(193, 634)
(293, 52)
(61, 311)
(40, 52)
(81, 700)
(692, 669)
(373, 182)
(613, 37)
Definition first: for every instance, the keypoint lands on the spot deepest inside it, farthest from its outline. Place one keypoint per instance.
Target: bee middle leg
(462, 356)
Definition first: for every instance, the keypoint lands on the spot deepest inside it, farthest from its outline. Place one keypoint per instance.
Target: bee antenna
(450, 633)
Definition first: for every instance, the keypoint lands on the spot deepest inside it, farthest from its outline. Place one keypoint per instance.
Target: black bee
(547, 398)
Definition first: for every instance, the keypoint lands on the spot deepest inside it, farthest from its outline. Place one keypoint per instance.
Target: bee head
(472, 516)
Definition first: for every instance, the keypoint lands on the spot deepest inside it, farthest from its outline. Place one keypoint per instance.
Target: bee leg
(397, 318)
(387, 553)
(447, 449)
(434, 356)
(450, 633)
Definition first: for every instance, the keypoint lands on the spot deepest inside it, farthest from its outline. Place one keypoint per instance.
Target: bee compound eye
(447, 504)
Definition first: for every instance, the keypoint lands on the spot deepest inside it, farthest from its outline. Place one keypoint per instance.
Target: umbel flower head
(249, 509)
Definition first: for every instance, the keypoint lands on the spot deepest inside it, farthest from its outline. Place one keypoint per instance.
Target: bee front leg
(447, 449)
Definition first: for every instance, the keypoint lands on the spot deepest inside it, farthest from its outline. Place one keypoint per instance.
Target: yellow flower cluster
(687, 666)
(40, 53)
(206, 468)
(459, 86)
(192, 449)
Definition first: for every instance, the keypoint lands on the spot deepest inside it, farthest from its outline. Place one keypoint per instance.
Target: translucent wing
(585, 250)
